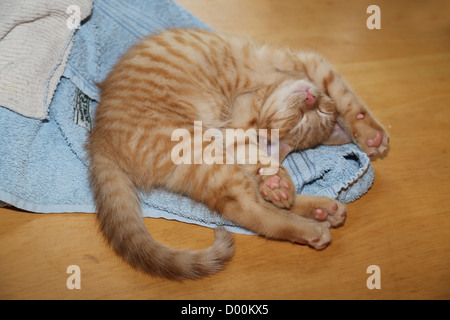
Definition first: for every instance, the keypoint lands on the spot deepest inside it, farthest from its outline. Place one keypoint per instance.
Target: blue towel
(114, 25)
(43, 164)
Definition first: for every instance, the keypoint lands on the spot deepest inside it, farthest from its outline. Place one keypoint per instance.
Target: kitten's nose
(310, 99)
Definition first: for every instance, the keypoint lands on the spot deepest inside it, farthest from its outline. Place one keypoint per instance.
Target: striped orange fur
(169, 80)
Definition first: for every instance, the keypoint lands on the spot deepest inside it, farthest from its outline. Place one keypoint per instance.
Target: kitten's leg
(278, 188)
(320, 208)
(355, 117)
(266, 220)
(233, 192)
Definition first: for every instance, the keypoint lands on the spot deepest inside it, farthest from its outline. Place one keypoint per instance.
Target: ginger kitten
(179, 78)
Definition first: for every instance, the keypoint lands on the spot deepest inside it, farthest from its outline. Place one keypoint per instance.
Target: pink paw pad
(285, 184)
(321, 215)
(272, 182)
(375, 142)
(284, 194)
(275, 197)
(277, 189)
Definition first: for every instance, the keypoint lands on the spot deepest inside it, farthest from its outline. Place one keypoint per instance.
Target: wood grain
(401, 71)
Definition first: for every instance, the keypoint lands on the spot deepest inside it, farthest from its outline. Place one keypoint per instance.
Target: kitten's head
(304, 114)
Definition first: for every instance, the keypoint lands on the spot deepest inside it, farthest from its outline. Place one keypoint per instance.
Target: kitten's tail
(120, 218)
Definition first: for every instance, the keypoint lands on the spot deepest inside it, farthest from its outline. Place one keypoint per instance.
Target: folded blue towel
(43, 163)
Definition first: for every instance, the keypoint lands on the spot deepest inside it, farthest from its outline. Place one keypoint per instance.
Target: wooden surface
(402, 225)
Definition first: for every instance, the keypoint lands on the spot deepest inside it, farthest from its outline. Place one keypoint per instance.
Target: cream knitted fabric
(35, 41)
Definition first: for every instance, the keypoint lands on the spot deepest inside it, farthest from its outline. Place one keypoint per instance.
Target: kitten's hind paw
(278, 188)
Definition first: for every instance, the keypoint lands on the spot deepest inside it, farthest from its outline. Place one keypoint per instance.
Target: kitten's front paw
(369, 135)
(278, 188)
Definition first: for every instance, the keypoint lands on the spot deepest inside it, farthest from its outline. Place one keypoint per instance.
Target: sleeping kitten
(170, 80)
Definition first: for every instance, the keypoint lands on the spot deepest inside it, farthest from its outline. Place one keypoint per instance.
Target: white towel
(35, 41)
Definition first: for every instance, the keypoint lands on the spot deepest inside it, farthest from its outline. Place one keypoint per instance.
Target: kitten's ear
(338, 136)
